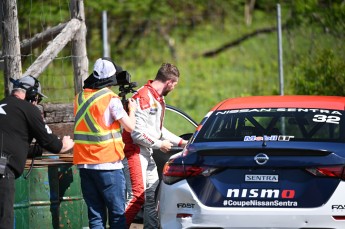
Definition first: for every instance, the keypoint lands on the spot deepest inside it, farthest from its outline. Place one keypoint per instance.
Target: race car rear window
(290, 124)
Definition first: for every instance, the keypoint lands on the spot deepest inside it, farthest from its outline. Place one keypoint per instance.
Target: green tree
(327, 14)
(324, 75)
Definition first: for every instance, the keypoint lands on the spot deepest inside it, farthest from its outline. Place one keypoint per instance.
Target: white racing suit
(147, 135)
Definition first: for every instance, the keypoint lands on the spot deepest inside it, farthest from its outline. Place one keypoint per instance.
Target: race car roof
(284, 101)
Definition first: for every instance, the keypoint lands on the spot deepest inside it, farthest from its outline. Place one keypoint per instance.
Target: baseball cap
(103, 75)
(28, 82)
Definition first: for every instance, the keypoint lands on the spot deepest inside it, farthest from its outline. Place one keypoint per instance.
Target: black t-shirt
(20, 122)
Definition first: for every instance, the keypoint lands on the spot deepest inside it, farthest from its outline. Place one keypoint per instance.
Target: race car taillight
(173, 173)
(329, 171)
(339, 217)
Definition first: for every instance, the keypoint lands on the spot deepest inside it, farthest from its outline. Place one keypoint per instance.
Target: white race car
(260, 162)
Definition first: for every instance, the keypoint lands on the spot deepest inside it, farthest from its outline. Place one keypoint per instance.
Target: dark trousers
(7, 189)
(104, 194)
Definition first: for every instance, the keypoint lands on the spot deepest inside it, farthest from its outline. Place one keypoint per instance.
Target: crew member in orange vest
(98, 150)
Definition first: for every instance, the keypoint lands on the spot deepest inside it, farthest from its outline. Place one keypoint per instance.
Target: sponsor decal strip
(327, 116)
(260, 203)
(321, 111)
(261, 193)
(267, 138)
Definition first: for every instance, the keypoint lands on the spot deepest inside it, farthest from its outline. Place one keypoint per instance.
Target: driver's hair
(167, 72)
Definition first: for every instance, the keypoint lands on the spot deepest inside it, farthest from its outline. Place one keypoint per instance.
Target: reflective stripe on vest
(92, 138)
(95, 136)
(85, 105)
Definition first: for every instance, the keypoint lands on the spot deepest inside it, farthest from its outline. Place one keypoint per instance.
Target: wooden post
(40, 38)
(74, 30)
(79, 53)
(53, 48)
(10, 42)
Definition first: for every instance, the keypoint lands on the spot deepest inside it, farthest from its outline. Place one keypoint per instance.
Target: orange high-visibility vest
(95, 143)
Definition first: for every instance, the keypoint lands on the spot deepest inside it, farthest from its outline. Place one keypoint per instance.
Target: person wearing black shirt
(20, 122)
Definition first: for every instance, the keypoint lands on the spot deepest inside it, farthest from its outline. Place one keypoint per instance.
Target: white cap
(103, 69)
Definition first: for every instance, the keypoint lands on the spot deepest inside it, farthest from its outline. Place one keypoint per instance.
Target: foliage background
(143, 34)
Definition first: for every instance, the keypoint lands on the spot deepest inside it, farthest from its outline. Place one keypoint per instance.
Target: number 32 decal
(326, 118)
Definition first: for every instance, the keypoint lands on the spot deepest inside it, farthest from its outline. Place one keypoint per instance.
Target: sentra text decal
(261, 178)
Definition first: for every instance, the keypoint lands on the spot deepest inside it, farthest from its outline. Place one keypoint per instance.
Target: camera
(125, 86)
(123, 78)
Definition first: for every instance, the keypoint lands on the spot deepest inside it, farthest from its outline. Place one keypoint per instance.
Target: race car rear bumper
(178, 207)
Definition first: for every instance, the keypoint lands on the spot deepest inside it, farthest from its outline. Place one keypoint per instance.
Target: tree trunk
(248, 11)
(10, 42)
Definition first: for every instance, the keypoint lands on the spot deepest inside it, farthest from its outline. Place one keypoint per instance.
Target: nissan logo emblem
(261, 159)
